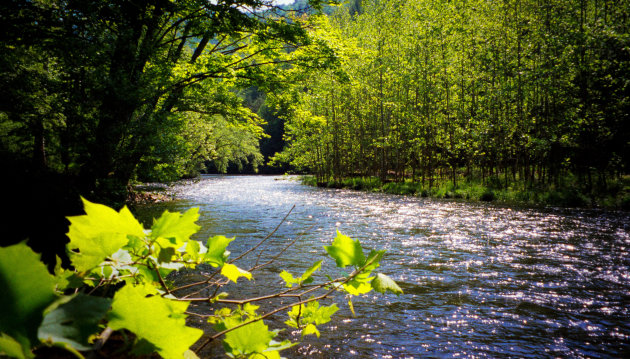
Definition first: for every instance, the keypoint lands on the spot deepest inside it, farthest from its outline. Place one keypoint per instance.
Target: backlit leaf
(383, 283)
(357, 288)
(288, 278)
(248, 339)
(27, 289)
(310, 329)
(216, 254)
(158, 320)
(176, 225)
(316, 266)
(310, 313)
(345, 251)
(273, 354)
(99, 233)
(233, 272)
(11, 348)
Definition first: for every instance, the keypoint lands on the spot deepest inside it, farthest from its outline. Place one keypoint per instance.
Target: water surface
(480, 280)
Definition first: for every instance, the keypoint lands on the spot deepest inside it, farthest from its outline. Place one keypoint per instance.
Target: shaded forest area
(521, 94)
(97, 95)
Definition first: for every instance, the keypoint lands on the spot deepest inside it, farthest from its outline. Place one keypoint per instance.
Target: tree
(512, 93)
(94, 88)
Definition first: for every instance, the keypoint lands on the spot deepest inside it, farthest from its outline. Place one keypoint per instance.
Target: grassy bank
(568, 193)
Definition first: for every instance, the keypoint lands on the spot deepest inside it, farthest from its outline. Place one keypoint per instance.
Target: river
(480, 280)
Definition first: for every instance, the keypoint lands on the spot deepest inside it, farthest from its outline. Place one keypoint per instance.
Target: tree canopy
(517, 91)
(97, 93)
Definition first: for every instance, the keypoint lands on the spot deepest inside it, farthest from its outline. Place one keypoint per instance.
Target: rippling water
(480, 280)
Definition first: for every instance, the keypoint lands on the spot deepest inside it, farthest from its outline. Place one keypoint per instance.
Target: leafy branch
(122, 281)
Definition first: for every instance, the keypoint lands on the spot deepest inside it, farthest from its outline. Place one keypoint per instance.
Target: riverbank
(146, 193)
(569, 193)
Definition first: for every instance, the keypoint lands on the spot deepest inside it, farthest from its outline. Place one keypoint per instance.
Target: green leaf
(305, 278)
(345, 251)
(355, 287)
(351, 306)
(75, 321)
(316, 266)
(374, 260)
(216, 254)
(273, 354)
(166, 255)
(27, 289)
(233, 272)
(158, 320)
(311, 313)
(11, 348)
(177, 226)
(310, 329)
(248, 339)
(288, 278)
(65, 279)
(99, 233)
(193, 248)
(383, 283)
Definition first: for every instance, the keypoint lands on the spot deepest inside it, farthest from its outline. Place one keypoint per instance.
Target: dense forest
(523, 93)
(514, 94)
(98, 94)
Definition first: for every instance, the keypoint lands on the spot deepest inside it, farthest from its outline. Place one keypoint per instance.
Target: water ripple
(480, 281)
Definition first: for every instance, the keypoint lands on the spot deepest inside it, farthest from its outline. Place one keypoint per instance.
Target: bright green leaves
(357, 288)
(171, 234)
(304, 279)
(99, 233)
(248, 339)
(158, 320)
(383, 283)
(233, 273)
(253, 340)
(289, 279)
(176, 227)
(73, 322)
(27, 289)
(217, 253)
(309, 316)
(345, 251)
(109, 248)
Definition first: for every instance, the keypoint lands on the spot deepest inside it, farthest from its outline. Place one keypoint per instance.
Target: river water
(480, 280)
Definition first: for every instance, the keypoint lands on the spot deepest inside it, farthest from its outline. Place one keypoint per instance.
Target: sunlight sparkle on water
(527, 281)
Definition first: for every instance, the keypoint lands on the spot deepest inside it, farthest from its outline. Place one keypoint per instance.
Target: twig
(322, 296)
(264, 239)
(100, 342)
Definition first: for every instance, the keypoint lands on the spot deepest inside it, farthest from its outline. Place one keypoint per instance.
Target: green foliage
(99, 233)
(160, 321)
(345, 251)
(383, 283)
(27, 289)
(73, 320)
(309, 316)
(440, 91)
(122, 282)
(304, 278)
(104, 92)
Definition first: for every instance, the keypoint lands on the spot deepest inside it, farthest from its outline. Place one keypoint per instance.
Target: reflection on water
(479, 280)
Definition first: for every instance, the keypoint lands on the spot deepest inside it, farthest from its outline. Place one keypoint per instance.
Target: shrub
(488, 196)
